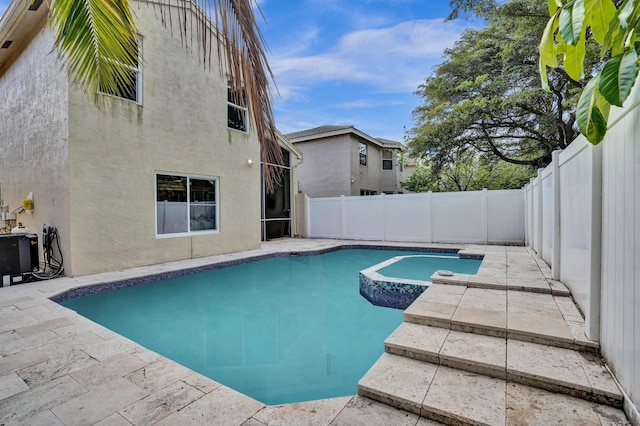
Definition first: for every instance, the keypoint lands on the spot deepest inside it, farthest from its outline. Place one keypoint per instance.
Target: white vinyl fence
(493, 217)
(583, 219)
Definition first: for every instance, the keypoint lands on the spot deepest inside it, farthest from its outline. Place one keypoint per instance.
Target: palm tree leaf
(97, 39)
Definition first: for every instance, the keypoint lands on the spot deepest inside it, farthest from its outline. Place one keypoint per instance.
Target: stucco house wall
(326, 169)
(34, 137)
(332, 166)
(92, 170)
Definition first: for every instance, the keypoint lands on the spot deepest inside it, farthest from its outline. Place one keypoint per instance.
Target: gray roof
(328, 131)
(316, 131)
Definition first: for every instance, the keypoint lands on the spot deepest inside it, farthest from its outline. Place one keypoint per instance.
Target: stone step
(454, 396)
(532, 317)
(575, 373)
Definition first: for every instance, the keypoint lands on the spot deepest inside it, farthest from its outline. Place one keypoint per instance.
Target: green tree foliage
(468, 173)
(486, 96)
(563, 44)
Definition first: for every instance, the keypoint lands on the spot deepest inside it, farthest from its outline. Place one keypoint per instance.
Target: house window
(186, 204)
(131, 92)
(237, 113)
(367, 192)
(387, 159)
(362, 149)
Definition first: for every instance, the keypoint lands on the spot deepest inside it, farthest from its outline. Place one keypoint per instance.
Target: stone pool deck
(504, 346)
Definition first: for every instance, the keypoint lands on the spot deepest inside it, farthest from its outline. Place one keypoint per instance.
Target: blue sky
(355, 62)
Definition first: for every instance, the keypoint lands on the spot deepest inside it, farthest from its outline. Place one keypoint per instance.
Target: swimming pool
(280, 330)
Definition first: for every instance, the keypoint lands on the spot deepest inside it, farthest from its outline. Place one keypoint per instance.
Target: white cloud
(392, 59)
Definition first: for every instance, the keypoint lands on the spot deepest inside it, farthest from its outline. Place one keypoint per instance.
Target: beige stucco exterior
(332, 166)
(92, 170)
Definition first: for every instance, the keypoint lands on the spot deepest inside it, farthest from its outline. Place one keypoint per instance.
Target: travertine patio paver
(39, 330)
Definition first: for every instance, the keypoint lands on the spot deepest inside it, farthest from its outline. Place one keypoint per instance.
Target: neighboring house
(342, 160)
(408, 166)
(170, 171)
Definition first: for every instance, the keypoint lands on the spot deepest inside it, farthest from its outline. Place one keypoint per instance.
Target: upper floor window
(387, 159)
(131, 92)
(237, 112)
(186, 204)
(362, 149)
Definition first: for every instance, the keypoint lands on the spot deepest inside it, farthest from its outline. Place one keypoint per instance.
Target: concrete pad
(59, 346)
(551, 368)
(113, 420)
(398, 381)
(202, 383)
(485, 299)
(568, 309)
(22, 360)
(178, 419)
(11, 384)
(222, 406)
(539, 329)
(527, 405)
(158, 375)
(468, 398)
(600, 378)
(436, 314)
(161, 404)
(99, 403)
(484, 321)
(44, 326)
(361, 411)
(57, 367)
(475, 353)
(112, 368)
(416, 341)
(22, 407)
(312, 413)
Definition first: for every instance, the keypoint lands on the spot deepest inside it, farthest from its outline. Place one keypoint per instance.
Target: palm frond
(98, 41)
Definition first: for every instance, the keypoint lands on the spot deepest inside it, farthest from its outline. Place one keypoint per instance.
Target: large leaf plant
(616, 30)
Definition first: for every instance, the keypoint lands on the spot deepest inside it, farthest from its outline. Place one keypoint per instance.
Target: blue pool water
(421, 267)
(280, 330)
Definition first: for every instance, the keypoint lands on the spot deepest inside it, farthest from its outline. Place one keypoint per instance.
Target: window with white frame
(387, 159)
(237, 112)
(186, 204)
(362, 150)
(133, 91)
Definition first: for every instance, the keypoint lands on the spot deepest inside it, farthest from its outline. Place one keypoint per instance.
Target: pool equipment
(18, 257)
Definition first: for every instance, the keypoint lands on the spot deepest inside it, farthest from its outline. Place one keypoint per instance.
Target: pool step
(575, 373)
(531, 317)
(455, 396)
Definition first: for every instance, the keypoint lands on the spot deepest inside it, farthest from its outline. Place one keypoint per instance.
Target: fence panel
(547, 188)
(408, 217)
(458, 217)
(364, 218)
(506, 218)
(325, 218)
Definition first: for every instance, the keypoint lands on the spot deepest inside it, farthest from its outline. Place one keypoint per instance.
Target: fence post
(539, 233)
(383, 198)
(555, 259)
(307, 216)
(430, 218)
(343, 218)
(485, 213)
